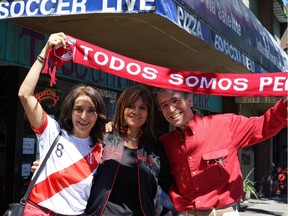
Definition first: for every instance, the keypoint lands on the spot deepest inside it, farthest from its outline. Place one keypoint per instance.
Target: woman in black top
(126, 181)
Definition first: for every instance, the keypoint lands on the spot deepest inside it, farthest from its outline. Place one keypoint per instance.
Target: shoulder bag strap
(24, 199)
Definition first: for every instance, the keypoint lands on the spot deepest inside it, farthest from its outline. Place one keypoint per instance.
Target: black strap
(25, 197)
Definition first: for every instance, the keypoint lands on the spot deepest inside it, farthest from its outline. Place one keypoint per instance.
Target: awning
(207, 36)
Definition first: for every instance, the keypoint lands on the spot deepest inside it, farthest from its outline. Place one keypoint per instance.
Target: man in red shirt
(203, 152)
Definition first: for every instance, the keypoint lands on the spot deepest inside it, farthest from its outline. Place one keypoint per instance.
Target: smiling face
(175, 108)
(84, 116)
(135, 115)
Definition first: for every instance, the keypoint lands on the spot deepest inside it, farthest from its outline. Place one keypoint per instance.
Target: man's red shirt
(204, 158)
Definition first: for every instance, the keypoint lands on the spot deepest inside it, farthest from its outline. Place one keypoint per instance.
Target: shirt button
(190, 157)
(194, 173)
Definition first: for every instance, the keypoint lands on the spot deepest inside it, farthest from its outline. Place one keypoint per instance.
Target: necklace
(132, 138)
(131, 142)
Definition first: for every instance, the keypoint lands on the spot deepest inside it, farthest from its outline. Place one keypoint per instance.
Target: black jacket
(149, 157)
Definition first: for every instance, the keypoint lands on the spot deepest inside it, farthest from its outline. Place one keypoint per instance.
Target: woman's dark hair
(65, 119)
(128, 97)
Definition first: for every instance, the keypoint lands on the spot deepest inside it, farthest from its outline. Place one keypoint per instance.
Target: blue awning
(231, 28)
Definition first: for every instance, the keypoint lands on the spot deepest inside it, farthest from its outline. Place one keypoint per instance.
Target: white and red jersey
(65, 182)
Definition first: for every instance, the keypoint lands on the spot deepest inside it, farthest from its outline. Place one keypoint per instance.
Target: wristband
(41, 59)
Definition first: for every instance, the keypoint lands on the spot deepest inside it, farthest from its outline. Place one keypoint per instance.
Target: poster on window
(28, 145)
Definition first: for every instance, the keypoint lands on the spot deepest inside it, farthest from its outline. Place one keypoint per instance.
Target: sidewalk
(264, 207)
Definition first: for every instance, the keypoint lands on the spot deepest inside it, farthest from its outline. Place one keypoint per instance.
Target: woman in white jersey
(63, 187)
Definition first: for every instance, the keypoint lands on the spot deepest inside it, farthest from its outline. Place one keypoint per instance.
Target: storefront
(269, 158)
(206, 36)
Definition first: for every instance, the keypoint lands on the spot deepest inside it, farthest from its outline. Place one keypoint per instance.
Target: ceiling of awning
(145, 37)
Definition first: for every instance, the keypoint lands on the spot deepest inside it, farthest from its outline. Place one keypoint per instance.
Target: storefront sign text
(263, 100)
(47, 94)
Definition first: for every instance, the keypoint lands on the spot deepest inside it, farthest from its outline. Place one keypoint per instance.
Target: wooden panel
(12, 43)
(19, 45)
(3, 31)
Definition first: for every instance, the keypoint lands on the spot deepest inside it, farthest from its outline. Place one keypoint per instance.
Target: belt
(212, 212)
(45, 210)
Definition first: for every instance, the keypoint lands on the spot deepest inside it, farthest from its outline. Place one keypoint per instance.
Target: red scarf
(81, 52)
